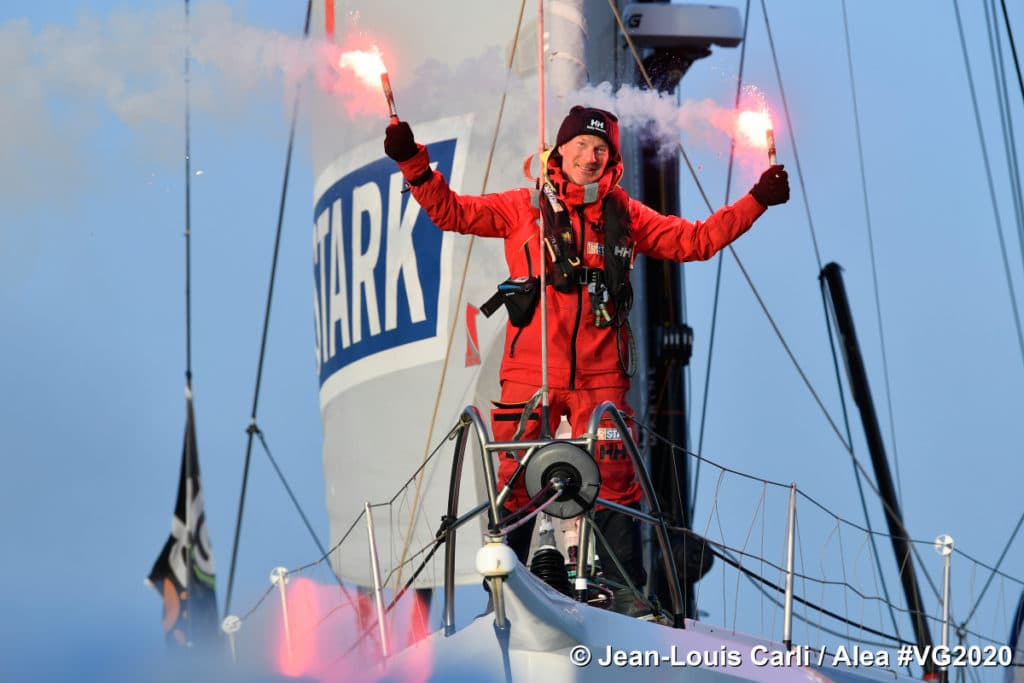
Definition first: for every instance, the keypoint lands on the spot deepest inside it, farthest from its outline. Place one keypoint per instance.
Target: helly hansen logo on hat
(590, 121)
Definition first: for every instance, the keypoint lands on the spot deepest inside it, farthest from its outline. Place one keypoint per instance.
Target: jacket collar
(570, 193)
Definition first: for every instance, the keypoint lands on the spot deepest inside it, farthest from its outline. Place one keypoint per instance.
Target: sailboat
(405, 358)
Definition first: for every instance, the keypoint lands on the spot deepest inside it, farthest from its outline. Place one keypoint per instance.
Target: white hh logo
(596, 124)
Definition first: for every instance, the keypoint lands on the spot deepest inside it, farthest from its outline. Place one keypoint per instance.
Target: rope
(458, 298)
(266, 326)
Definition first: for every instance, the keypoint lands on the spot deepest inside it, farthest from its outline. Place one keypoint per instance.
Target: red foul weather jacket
(580, 354)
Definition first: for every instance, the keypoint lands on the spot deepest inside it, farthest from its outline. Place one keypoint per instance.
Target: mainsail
(396, 299)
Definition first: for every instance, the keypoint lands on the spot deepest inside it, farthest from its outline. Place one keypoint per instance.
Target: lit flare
(752, 127)
(368, 66)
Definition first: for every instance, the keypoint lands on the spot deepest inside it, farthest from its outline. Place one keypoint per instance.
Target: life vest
(608, 288)
(567, 272)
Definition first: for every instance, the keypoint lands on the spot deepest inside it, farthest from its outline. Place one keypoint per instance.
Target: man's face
(584, 158)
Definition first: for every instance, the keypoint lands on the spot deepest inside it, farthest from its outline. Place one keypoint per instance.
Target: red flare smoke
(368, 66)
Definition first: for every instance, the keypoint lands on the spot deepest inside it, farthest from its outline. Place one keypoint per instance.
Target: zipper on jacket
(579, 311)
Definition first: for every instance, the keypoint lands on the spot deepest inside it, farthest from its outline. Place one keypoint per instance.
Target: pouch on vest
(519, 295)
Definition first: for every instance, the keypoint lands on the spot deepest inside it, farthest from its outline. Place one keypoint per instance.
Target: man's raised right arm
(491, 215)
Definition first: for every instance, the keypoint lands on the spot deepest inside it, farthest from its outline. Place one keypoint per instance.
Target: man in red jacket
(592, 232)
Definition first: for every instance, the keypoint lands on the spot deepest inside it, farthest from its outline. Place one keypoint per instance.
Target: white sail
(400, 353)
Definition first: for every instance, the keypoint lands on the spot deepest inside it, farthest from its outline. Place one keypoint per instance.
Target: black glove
(399, 144)
(773, 187)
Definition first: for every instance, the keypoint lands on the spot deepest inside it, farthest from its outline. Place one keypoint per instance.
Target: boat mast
(831, 276)
(669, 338)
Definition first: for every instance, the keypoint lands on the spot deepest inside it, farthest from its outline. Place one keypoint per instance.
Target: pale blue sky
(92, 299)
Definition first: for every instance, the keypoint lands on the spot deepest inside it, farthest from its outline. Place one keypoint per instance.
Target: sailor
(593, 230)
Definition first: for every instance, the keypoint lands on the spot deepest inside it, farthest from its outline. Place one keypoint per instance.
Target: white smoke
(64, 83)
(658, 119)
(67, 83)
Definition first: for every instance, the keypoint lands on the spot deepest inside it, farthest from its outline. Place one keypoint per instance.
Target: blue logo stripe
(377, 268)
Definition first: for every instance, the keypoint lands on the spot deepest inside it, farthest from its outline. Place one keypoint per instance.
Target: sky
(92, 273)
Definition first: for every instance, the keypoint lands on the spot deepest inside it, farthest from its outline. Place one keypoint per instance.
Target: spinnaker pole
(832, 278)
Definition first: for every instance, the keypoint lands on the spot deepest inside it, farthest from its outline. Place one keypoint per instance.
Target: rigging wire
(295, 502)
(756, 579)
(989, 179)
(878, 314)
(995, 570)
(792, 135)
(754, 289)
(1013, 47)
(718, 269)
(188, 211)
(432, 546)
(462, 286)
(732, 250)
(814, 239)
(849, 436)
(190, 429)
(1002, 244)
(1006, 263)
(252, 429)
(1005, 119)
(750, 282)
(860, 466)
(325, 555)
(872, 251)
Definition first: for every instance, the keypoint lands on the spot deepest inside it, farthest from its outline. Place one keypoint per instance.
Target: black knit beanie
(591, 121)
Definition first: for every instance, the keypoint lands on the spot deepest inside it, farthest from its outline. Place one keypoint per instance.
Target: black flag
(183, 574)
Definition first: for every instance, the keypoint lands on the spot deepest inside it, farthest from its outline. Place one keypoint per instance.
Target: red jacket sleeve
(492, 215)
(677, 239)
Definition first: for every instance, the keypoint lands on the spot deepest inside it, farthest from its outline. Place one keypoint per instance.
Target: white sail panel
(395, 341)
